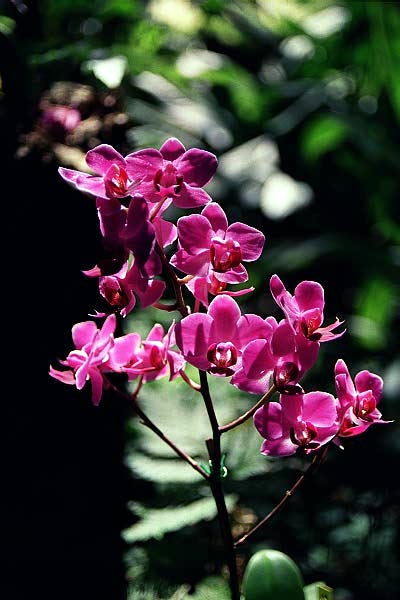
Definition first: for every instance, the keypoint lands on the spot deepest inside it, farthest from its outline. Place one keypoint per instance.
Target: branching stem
(189, 381)
(316, 462)
(250, 412)
(151, 425)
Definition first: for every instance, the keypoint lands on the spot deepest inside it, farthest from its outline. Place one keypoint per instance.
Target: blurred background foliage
(300, 100)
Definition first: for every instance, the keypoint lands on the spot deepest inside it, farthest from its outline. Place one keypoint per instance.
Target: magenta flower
(113, 176)
(120, 290)
(130, 230)
(304, 310)
(214, 341)
(89, 360)
(357, 401)
(283, 358)
(151, 359)
(207, 246)
(306, 421)
(173, 172)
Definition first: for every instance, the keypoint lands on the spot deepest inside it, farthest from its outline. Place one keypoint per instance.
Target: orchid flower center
(157, 356)
(347, 425)
(112, 291)
(224, 254)
(168, 181)
(303, 433)
(117, 182)
(309, 328)
(216, 286)
(365, 405)
(223, 355)
(285, 373)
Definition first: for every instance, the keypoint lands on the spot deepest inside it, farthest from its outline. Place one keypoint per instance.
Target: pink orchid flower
(304, 310)
(214, 341)
(127, 230)
(283, 358)
(151, 358)
(120, 290)
(90, 358)
(303, 421)
(173, 172)
(357, 402)
(113, 177)
(208, 246)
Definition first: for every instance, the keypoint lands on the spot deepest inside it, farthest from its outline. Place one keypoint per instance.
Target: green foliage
(155, 523)
(323, 134)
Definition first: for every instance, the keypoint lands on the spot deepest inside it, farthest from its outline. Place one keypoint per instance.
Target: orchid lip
(285, 374)
(303, 433)
(223, 355)
(225, 254)
(117, 182)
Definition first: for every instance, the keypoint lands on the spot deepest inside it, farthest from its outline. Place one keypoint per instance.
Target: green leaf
(323, 134)
(156, 523)
(7, 25)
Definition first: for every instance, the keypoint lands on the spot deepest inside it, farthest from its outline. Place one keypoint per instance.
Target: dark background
(333, 118)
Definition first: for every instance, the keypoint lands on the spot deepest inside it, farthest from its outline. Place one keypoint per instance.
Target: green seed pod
(272, 575)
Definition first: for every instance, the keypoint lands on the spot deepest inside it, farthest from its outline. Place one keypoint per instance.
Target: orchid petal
(144, 163)
(197, 166)
(192, 337)
(172, 149)
(225, 314)
(96, 381)
(364, 381)
(251, 240)
(83, 333)
(217, 218)
(191, 197)
(102, 157)
(257, 359)
(63, 376)
(309, 294)
(194, 233)
(319, 408)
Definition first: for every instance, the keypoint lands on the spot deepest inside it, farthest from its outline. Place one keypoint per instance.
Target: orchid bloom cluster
(132, 194)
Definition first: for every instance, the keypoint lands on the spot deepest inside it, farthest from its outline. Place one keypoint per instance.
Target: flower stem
(316, 462)
(214, 451)
(166, 307)
(213, 446)
(250, 412)
(180, 303)
(189, 381)
(151, 425)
